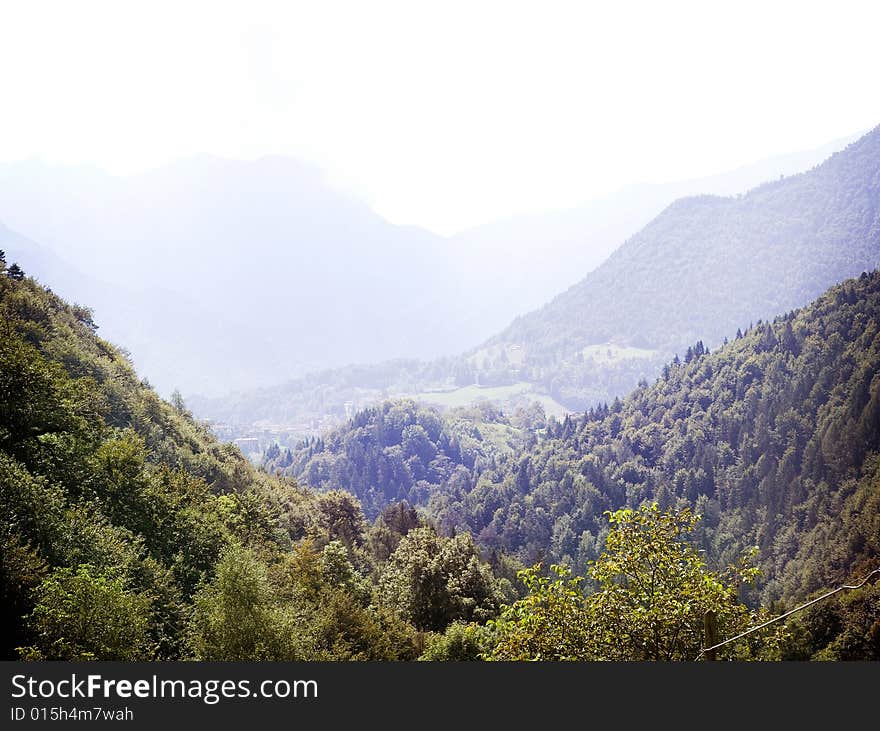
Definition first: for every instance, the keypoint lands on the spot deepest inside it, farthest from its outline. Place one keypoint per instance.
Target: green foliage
(83, 615)
(460, 642)
(128, 532)
(846, 627)
(773, 439)
(97, 471)
(655, 590)
(433, 580)
(21, 572)
(237, 618)
(336, 602)
(653, 594)
(393, 523)
(550, 623)
(121, 507)
(397, 451)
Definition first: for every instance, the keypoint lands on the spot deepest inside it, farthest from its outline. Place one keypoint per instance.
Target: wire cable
(864, 581)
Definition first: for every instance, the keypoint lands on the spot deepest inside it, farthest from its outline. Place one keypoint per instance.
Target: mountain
(104, 485)
(704, 267)
(400, 450)
(534, 257)
(222, 275)
(774, 439)
(128, 532)
(261, 262)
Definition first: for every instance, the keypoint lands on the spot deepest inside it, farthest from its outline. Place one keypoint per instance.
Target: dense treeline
(402, 451)
(129, 532)
(110, 497)
(773, 439)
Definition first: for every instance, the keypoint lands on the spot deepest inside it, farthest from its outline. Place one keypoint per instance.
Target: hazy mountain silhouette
(223, 275)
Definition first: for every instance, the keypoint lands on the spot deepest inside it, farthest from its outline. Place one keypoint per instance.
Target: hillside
(774, 439)
(402, 451)
(529, 259)
(104, 486)
(127, 532)
(703, 268)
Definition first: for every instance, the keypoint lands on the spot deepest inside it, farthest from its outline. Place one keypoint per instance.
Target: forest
(742, 481)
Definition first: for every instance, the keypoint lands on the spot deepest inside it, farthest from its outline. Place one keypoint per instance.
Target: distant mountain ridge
(223, 275)
(584, 236)
(265, 254)
(706, 266)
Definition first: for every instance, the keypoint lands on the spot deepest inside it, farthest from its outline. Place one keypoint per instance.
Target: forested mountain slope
(400, 450)
(519, 264)
(774, 439)
(706, 266)
(128, 532)
(105, 487)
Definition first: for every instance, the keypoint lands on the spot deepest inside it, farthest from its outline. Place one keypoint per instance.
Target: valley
(692, 428)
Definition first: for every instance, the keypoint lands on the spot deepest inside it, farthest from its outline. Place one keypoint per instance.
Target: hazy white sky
(442, 114)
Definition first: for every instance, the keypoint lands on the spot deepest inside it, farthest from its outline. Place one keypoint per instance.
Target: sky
(441, 114)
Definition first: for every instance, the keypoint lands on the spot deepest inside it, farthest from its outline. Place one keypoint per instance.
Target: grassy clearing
(466, 396)
(610, 353)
